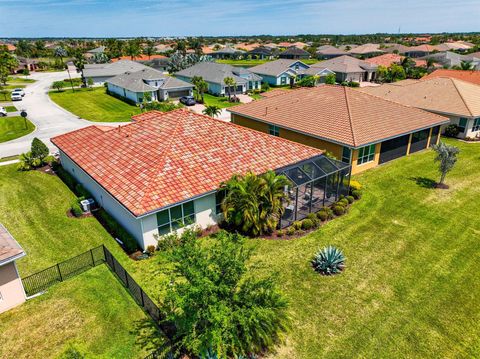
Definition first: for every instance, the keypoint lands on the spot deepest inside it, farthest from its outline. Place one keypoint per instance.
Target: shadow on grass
(148, 336)
(424, 182)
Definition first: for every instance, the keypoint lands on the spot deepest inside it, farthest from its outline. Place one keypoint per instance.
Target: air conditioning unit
(88, 205)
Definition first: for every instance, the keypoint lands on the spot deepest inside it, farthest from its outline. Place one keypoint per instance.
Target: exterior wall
(98, 80)
(271, 80)
(105, 199)
(350, 76)
(11, 288)
(133, 96)
(356, 168)
(204, 216)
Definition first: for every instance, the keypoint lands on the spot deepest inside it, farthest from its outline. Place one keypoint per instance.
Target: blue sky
(101, 18)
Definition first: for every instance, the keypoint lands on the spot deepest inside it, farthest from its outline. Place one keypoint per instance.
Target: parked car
(16, 96)
(3, 112)
(188, 100)
(20, 91)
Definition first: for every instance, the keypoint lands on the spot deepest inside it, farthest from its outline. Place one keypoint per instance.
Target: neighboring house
(162, 48)
(356, 127)
(396, 48)
(263, 52)
(10, 47)
(227, 53)
(140, 58)
(98, 50)
(472, 76)
(134, 85)
(160, 64)
(294, 53)
(458, 100)
(420, 50)
(11, 287)
(214, 74)
(366, 50)
(26, 63)
(329, 52)
(163, 171)
(100, 73)
(387, 60)
(450, 59)
(349, 68)
(279, 72)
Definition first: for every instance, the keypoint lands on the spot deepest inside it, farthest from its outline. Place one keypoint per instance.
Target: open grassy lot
(14, 127)
(94, 105)
(92, 313)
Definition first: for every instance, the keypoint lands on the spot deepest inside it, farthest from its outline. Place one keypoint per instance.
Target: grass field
(11, 109)
(94, 105)
(92, 313)
(14, 127)
(410, 288)
(251, 63)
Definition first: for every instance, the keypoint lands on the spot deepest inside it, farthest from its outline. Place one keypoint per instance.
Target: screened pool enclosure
(316, 182)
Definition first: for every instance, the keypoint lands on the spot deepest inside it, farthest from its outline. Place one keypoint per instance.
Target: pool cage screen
(316, 183)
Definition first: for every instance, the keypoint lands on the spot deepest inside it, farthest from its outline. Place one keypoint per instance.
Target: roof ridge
(349, 115)
(453, 80)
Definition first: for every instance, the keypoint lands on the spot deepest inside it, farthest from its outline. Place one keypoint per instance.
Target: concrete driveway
(49, 119)
(224, 114)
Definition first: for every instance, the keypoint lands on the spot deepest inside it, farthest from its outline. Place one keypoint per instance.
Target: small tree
(39, 149)
(212, 111)
(58, 85)
(25, 72)
(447, 157)
(202, 87)
(330, 79)
(90, 82)
(229, 82)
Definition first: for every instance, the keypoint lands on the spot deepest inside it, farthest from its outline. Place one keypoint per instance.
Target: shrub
(80, 191)
(314, 219)
(39, 149)
(322, 215)
(151, 249)
(75, 209)
(355, 185)
(116, 230)
(350, 199)
(307, 224)
(357, 194)
(290, 230)
(328, 211)
(343, 202)
(338, 210)
(265, 86)
(330, 260)
(280, 233)
(297, 225)
(452, 130)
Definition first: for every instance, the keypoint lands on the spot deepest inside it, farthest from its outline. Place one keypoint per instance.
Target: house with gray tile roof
(326, 52)
(214, 74)
(134, 85)
(349, 68)
(100, 73)
(294, 52)
(227, 53)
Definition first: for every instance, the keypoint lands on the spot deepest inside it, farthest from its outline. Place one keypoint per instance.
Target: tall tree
(447, 157)
(149, 50)
(133, 49)
(8, 63)
(181, 47)
(229, 82)
(60, 52)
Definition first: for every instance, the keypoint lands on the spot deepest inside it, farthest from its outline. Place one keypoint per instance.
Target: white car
(20, 91)
(3, 112)
(16, 96)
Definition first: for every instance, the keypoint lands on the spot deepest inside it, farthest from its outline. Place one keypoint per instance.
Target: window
(366, 154)
(219, 196)
(283, 80)
(476, 125)
(274, 130)
(175, 217)
(462, 124)
(346, 154)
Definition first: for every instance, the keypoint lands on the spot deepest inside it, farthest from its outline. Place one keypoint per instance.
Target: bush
(307, 224)
(328, 211)
(39, 149)
(452, 131)
(322, 215)
(75, 209)
(355, 185)
(330, 260)
(357, 194)
(343, 202)
(338, 210)
(80, 191)
(350, 199)
(117, 231)
(151, 249)
(280, 233)
(290, 231)
(265, 86)
(314, 219)
(297, 225)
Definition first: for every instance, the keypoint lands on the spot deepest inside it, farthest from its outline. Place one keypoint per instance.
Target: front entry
(394, 148)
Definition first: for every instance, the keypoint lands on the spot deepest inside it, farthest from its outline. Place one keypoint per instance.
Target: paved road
(49, 119)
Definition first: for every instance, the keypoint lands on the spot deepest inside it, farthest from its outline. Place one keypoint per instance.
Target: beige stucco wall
(11, 288)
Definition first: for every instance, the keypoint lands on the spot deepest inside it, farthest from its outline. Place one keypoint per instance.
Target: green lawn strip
(16, 79)
(9, 158)
(92, 312)
(11, 109)
(94, 105)
(12, 86)
(14, 127)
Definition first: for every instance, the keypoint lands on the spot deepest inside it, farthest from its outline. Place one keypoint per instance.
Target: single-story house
(98, 50)
(366, 50)
(396, 49)
(263, 52)
(26, 63)
(279, 72)
(472, 76)
(163, 171)
(450, 59)
(455, 99)
(134, 85)
(420, 50)
(140, 58)
(326, 52)
(227, 53)
(294, 53)
(387, 60)
(11, 287)
(349, 68)
(100, 73)
(214, 74)
(356, 127)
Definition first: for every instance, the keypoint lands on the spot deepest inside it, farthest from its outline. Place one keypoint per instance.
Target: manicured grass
(251, 63)
(11, 86)
(92, 313)
(11, 109)
(14, 127)
(20, 79)
(94, 105)
(222, 102)
(9, 158)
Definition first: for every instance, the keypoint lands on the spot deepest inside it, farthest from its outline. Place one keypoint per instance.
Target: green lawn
(94, 105)
(220, 101)
(410, 288)
(92, 313)
(14, 127)
(20, 79)
(11, 109)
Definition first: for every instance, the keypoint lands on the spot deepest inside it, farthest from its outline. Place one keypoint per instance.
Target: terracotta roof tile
(9, 247)
(389, 59)
(471, 76)
(165, 158)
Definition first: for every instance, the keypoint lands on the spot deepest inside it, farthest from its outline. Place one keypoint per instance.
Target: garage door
(393, 148)
(419, 140)
(180, 93)
(435, 134)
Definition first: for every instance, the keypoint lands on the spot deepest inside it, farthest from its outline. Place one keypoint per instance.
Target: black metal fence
(40, 281)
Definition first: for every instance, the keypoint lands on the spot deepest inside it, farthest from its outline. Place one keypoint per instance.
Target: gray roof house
(214, 74)
(97, 50)
(294, 52)
(349, 68)
(326, 52)
(100, 73)
(227, 53)
(134, 85)
(450, 59)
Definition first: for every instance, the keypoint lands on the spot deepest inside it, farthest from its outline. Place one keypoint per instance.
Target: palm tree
(196, 81)
(212, 111)
(149, 50)
(202, 88)
(466, 65)
(229, 82)
(447, 156)
(133, 49)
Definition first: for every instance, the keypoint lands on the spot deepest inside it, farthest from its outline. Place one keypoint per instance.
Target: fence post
(126, 278)
(59, 273)
(93, 260)
(141, 296)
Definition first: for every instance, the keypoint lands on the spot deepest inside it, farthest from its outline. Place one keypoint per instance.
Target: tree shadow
(148, 335)
(424, 182)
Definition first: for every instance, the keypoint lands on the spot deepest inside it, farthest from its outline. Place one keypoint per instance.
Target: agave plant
(330, 260)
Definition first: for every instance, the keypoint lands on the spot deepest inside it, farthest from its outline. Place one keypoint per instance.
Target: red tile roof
(139, 58)
(9, 247)
(389, 59)
(339, 114)
(165, 158)
(471, 76)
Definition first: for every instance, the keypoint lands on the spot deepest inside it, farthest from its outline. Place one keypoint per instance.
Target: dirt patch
(441, 186)
(46, 169)
(71, 215)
